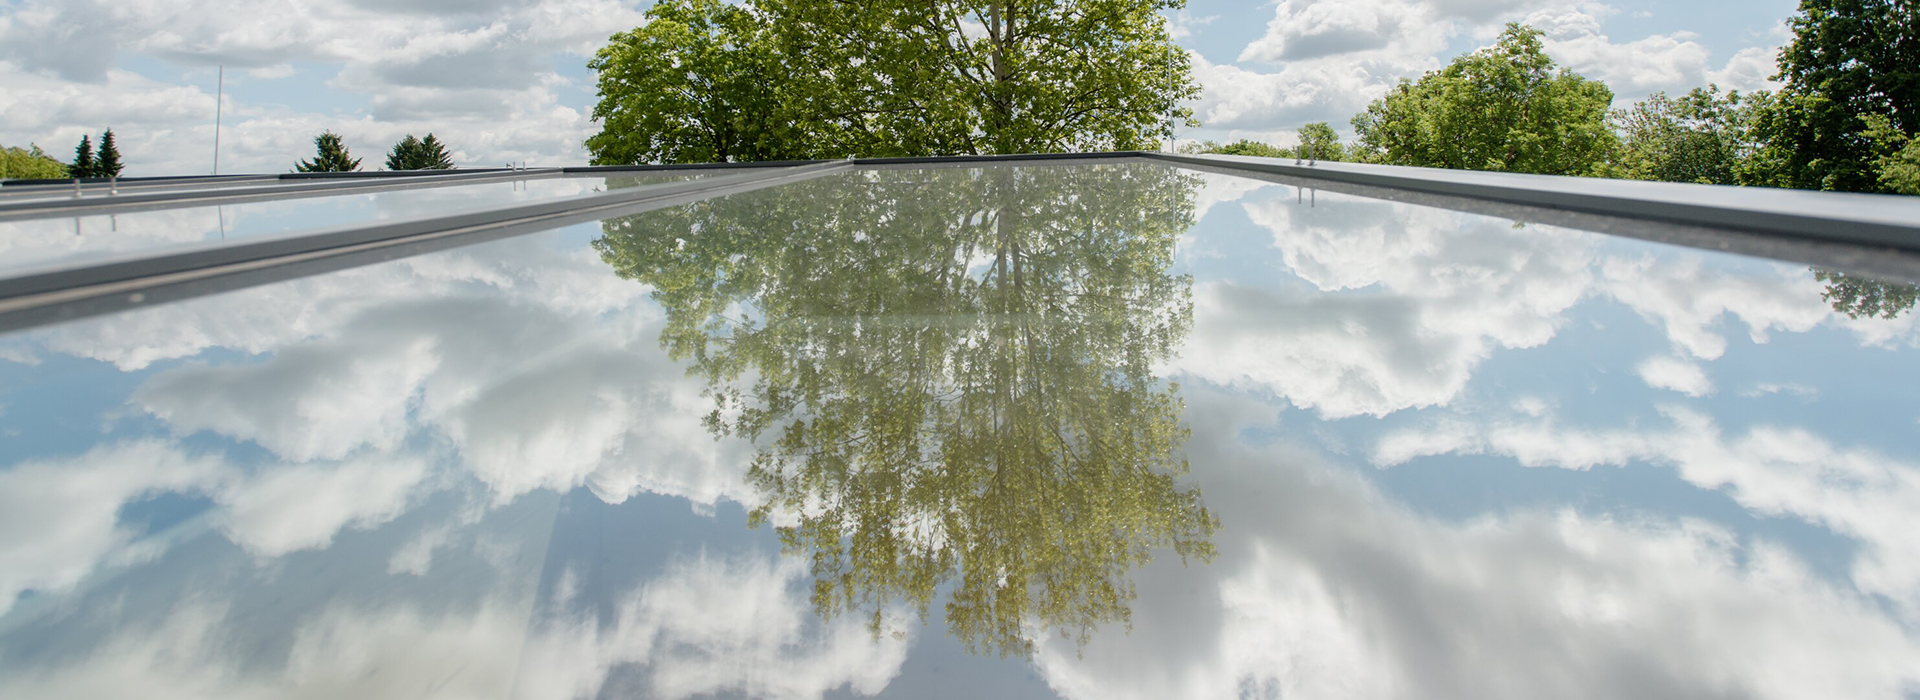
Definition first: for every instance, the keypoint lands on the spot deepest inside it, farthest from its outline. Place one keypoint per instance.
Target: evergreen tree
(330, 156)
(83, 165)
(108, 164)
(419, 154)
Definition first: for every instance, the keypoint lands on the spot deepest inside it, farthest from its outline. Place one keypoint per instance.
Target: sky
(505, 81)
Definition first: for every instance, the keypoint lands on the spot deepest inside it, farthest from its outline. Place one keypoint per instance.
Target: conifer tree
(330, 156)
(419, 154)
(108, 164)
(83, 165)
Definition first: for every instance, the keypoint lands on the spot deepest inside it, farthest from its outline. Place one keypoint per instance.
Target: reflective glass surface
(30, 244)
(1092, 431)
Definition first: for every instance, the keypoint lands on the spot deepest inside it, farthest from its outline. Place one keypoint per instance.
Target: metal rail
(104, 204)
(102, 287)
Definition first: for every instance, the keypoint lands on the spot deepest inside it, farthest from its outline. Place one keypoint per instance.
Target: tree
(949, 377)
(1704, 136)
(83, 163)
(828, 79)
(1318, 141)
(1859, 296)
(330, 156)
(1848, 59)
(25, 164)
(108, 164)
(1898, 162)
(1504, 108)
(419, 154)
(701, 82)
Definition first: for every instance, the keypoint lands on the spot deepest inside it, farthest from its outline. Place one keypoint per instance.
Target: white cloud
(1326, 589)
(1687, 300)
(1772, 471)
(391, 652)
(60, 518)
(1404, 302)
(290, 508)
(715, 625)
(482, 81)
(1675, 375)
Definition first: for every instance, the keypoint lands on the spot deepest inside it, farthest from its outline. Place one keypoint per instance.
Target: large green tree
(1506, 108)
(831, 78)
(701, 82)
(1704, 136)
(949, 375)
(1860, 296)
(330, 156)
(29, 163)
(1849, 61)
(419, 154)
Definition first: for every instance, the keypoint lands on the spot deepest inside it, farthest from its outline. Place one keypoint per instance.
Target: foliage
(949, 375)
(1244, 147)
(1704, 136)
(1859, 296)
(701, 82)
(29, 164)
(1318, 141)
(1848, 59)
(330, 156)
(828, 79)
(1503, 108)
(419, 154)
(108, 162)
(1898, 164)
(83, 163)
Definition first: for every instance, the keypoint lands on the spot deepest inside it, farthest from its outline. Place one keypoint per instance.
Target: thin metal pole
(219, 95)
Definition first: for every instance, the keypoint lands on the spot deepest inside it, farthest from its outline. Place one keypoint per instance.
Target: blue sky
(505, 81)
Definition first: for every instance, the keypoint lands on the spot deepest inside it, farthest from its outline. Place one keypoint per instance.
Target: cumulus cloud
(481, 79)
(1675, 375)
(1326, 589)
(1404, 302)
(60, 518)
(392, 652)
(714, 625)
(1771, 470)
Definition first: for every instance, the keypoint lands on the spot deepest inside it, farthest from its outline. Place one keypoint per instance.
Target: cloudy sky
(505, 80)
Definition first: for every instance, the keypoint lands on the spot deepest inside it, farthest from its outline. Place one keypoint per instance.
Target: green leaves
(949, 374)
(419, 154)
(1504, 108)
(1849, 59)
(29, 164)
(330, 156)
(1704, 136)
(782, 79)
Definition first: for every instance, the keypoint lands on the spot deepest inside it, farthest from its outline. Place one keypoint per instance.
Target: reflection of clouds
(1675, 374)
(395, 652)
(1324, 590)
(59, 519)
(291, 508)
(1432, 293)
(713, 626)
(1772, 471)
(1686, 299)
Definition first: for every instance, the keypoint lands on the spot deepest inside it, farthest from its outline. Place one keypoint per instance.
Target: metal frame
(1875, 234)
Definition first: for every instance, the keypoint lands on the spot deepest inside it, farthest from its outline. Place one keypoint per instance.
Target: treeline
(1846, 119)
(34, 164)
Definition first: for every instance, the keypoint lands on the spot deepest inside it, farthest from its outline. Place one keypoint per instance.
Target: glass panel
(1115, 431)
(30, 244)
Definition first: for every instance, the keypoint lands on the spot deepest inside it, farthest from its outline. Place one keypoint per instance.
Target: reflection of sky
(37, 242)
(1452, 458)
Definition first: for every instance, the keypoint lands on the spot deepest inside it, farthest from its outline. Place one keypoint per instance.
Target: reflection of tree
(950, 374)
(1859, 296)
